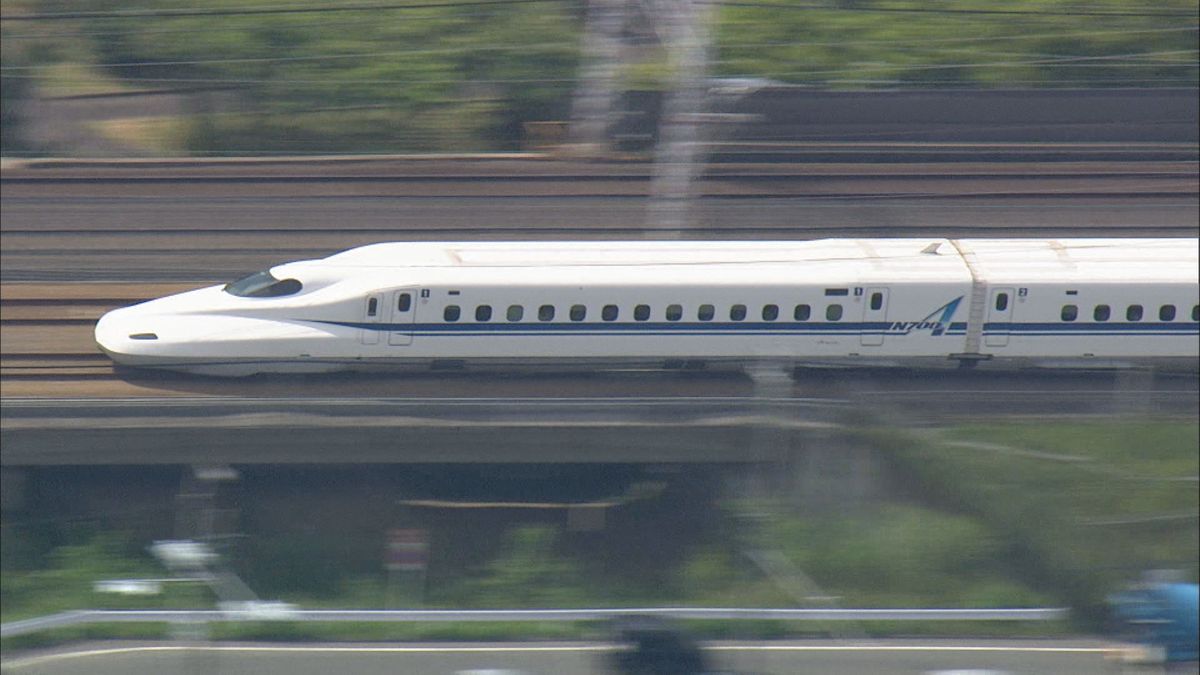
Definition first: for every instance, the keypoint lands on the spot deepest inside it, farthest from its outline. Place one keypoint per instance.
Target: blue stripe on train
(885, 328)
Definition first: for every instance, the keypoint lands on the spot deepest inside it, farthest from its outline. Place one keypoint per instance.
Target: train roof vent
(931, 249)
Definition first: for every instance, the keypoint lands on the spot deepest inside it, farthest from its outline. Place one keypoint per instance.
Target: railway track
(524, 176)
(76, 220)
(231, 242)
(728, 159)
(46, 330)
(179, 225)
(48, 352)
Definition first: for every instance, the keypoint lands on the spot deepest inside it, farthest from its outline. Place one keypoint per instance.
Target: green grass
(66, 581)
(1082, 508)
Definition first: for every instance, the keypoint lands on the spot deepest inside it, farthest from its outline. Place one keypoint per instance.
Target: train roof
(1064, 260)
(729, 263)
(1022, 261)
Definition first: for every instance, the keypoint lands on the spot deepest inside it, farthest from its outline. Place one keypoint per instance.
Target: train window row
(1132, 313)
(673, 312)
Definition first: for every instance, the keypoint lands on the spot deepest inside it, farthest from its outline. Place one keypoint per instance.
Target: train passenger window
(451, 313)
(1133, 313)
(833, 312)
(802, 313)
(674, 312)
(609, 313)
(578, 312)
(1001, 302)
(876, 301)
(404, 302)
(706, 312)
(546, 313)
(1069, 312)
(770, 312)
(641, 312)
(737, 313)
(483, 313)
(515, 312)
(1195, 312)
(1166, 313)
(373, 307)
(1102, 312)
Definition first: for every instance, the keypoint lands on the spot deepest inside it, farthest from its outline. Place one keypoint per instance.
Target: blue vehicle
(1162, 617)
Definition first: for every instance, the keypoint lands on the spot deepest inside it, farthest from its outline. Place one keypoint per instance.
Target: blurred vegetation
(1020, 43)
(471, 77)
(903, 556)
(1014, 514)
(529, 572)
(1081, 508)
(64, 579)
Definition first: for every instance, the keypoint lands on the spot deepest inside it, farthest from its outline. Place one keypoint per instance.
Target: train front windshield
(262, 285)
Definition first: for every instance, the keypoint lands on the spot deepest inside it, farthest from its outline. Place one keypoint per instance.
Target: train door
(874, 317)
(403, 311)
(372, 314)
(1000, 314)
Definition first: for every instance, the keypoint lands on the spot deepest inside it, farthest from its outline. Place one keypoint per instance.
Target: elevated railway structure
(82, 237)
(63, 403)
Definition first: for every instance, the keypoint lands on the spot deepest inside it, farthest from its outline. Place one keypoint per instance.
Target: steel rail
(794, 175)
(559, 232)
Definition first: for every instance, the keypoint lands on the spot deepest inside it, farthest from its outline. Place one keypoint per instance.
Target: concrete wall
(788, 113)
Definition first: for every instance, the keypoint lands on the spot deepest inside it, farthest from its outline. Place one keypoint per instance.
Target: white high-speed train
(914, 302)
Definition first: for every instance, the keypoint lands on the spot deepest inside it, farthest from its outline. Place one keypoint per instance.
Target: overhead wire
(262, 10)
(324, 57)
(1076, 11)
(741, 20)
(319, 24)
(1038, 58)
(1132, 60)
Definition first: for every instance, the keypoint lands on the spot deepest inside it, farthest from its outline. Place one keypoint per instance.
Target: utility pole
(603, 51)
(682, 28)
(678, 155)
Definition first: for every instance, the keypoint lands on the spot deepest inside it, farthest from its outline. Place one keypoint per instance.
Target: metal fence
(272, 611)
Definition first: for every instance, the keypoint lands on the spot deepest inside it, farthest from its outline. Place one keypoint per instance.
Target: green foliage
(96, 631)
(1009, 514)
(901, 556)
(1028, 43)
(434, 78)
(1082, 508)
(529, 572)
(23, 549)
(453, 78)
(66, 583)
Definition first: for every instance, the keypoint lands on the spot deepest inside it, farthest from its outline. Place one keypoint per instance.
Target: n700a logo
(935, 326)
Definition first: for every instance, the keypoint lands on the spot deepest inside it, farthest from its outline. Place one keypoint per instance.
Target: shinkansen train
(1071, 303)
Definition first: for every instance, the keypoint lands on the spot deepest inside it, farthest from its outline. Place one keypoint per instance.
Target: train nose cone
(125, 336)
